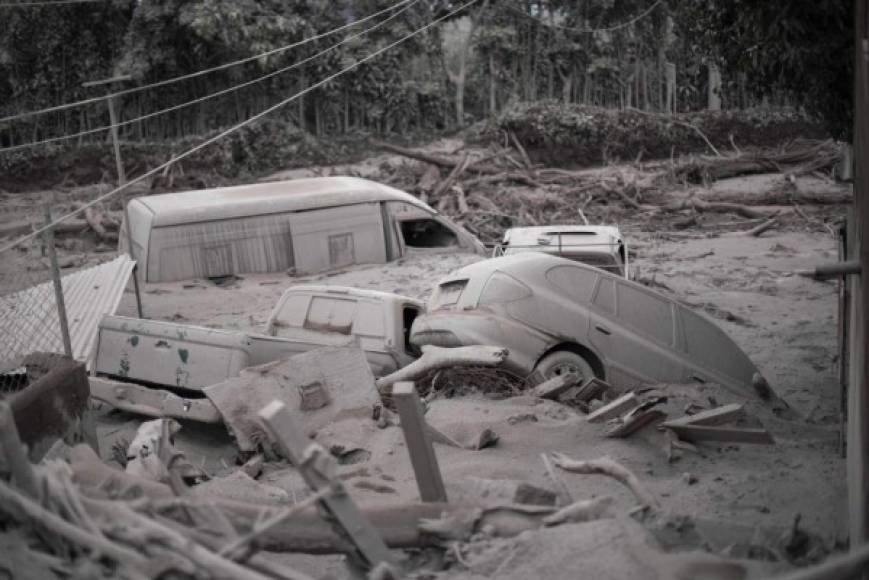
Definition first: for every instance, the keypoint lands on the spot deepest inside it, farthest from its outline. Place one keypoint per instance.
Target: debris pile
(489, 190)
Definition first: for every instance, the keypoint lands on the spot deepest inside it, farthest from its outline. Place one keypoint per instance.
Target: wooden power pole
(858, 390)
(113, 120)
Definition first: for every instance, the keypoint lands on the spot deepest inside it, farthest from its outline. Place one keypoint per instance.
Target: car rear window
(502, 288)
(646, 312)
(448, 294)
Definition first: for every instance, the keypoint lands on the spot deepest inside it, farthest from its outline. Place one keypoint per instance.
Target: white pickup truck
(306, 317)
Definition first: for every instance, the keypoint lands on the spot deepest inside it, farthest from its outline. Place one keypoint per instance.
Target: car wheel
(562, 362)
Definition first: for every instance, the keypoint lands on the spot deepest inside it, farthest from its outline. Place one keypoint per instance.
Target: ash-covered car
(557, 316)
(600, 246)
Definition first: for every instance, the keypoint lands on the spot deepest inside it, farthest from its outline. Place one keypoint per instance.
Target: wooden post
(314, 465)
(858, 395)
(419, 446)
(58, 286)
(113, 120)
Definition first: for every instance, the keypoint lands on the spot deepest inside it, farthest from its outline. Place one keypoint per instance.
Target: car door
(639, 340)
(559, 308)
(711, 355)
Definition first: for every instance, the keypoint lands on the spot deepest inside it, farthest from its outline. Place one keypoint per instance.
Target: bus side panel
(219, 248)
(338, 236)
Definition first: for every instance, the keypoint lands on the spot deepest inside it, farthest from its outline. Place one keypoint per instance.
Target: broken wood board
(552, 388)
(151, 402)
(318, 387)
(613, 409)
(593, 388)
(634, 421)
(694, 433)
(419, 445)
(714, 416)
(318, 469)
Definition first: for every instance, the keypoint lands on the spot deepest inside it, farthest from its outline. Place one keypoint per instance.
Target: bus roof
(220, 203)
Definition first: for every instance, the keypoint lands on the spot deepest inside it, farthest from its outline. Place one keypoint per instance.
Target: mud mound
(578, 136)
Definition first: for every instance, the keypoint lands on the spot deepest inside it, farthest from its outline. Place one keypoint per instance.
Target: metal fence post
(58, 286)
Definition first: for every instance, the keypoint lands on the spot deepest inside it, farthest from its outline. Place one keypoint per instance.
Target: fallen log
(457, 171)
(780, 198)
(434, 159)
(759, 229)
(717, 207)
(435, 357)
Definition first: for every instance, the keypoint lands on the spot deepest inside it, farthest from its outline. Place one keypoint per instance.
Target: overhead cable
(236, 127)
(211, 95)
(199, 73)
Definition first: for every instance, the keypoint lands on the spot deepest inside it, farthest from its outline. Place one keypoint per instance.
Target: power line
(236, 127)
(639, 16)
(55, 3)
(212, 95)
(174, 80)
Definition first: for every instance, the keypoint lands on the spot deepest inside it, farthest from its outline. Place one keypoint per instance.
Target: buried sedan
(557, 316)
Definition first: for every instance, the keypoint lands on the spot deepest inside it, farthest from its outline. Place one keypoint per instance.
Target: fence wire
(29, 314)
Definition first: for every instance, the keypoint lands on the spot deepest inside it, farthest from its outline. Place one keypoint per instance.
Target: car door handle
(698, 379)
(602, 329)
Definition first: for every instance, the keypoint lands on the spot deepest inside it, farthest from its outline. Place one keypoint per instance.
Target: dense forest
(480, 61)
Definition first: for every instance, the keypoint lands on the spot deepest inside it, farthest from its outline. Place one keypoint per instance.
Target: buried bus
(301, 226)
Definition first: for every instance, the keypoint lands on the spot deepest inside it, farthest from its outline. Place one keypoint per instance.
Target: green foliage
(803, 49)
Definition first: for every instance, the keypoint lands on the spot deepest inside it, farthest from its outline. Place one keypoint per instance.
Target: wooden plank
(633, 422)
(555, 386)
(314, 464)
(593, 388)
(715, 416)
(694, 433)
(614, 408)
(419, 446)
(152, 402)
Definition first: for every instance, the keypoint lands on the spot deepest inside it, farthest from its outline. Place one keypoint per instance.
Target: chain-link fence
(31, 316)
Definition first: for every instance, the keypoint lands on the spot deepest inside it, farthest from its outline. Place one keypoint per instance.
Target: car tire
(563, 362)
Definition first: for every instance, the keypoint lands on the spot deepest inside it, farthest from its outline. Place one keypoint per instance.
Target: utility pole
(119, 165)
(858, 396)
(113, 119)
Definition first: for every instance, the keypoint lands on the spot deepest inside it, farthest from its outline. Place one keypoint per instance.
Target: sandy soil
(743, 494)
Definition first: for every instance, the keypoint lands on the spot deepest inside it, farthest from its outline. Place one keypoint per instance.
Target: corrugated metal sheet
(29, 322)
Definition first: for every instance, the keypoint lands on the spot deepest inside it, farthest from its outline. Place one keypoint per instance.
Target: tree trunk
(493, 104)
